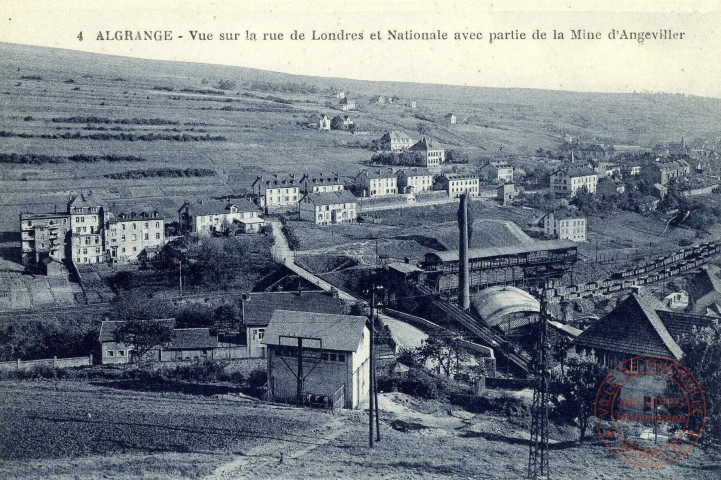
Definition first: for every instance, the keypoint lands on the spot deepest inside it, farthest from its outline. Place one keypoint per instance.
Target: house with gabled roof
(497, 172)
(318, 121)
(395, 141)
(639, 325)
(277, 192)
(321, 182)
(414, 180)
(185, 344)
(330, 352)
(346, 104)
(328, 208)
(433, 155)
(704, 291)
(376, 182)
(210, 216)
(569, 180)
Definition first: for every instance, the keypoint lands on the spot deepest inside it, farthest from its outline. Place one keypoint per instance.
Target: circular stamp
(650, 411)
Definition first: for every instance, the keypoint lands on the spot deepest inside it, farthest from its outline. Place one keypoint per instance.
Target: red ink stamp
(650, 411)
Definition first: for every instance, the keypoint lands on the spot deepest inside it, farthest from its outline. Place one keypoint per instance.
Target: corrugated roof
(259, 307)
(477, 253)
(494, 303)
(633, 328)
(330, 198)
(336, 332)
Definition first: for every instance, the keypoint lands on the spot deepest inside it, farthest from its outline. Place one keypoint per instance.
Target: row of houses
(335, 345)
(88, 232)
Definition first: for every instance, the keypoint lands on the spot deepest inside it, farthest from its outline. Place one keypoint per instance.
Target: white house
(208, 216)
(377, 182)
(346, 104)
(319, 121)
(497, 172)
(457, 183)
(414, 180)
(280, 192)
(433, 155)
(329, 207)
(333, 350)
(321, 182)
(567, 181)
(565, 224)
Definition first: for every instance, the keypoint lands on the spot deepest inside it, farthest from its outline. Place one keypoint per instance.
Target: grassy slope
(76, 430)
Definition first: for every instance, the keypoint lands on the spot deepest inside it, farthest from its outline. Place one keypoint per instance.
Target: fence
(54, 362)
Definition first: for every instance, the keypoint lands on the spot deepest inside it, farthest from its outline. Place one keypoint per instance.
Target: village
(416, 279)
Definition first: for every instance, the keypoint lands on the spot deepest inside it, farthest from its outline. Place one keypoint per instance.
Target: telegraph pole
(299, 393)
(371, 376)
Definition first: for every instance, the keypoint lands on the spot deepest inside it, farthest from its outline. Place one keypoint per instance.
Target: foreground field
(78, 430)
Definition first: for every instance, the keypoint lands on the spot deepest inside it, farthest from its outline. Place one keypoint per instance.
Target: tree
(575, 392)
(143, 336)
(228, 316)
(446, 353)
(702, 355)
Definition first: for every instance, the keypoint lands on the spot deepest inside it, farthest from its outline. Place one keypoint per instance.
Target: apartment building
(279, 192)
(377, 182)
(434, 156)
(87, 218)
(414, 180)
(456, 184)
(568, 181)
(565, 225)
(128, 236)
(44, 235)
(321, 182)
(329, 208)
(395, 141)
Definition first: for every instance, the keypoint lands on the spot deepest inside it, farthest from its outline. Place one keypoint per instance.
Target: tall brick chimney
(464, 287)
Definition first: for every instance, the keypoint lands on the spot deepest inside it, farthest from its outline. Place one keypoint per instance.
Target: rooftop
(576, 171)
(259, 307)
(109, 327)
(335, 332)
(414, 172)
(425, 144)
(634, 328)
(330, 198)
(378, 173)
(214, 207)
(494, 303)
(477, 253)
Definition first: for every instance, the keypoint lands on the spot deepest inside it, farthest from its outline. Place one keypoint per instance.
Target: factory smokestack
(464, 289)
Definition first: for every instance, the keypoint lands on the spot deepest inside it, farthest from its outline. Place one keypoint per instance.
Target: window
(135, 237)
(122, 238)
(121, 353)
(110, 353)
(147, 236)
(157, 224)
(157, 236)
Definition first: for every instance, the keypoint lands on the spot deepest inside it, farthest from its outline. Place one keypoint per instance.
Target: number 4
(80, 36)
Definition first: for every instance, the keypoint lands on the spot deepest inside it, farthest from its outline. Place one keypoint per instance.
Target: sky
(689, 65)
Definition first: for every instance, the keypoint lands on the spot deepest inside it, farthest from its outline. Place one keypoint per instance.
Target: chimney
(636, 289)
(464, 295)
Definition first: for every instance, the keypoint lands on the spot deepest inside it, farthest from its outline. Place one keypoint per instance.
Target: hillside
(170, 115)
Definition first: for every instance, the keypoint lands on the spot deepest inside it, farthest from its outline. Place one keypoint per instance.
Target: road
(282, 253)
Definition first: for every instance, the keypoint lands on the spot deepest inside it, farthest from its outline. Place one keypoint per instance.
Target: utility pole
(372, 366)
(538, 452)
(180, 278)
(299, 393)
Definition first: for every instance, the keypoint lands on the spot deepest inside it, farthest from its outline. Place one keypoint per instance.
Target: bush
(501, 403)
(417, 382)
(258, 379)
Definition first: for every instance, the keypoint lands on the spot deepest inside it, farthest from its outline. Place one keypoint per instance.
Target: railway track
(485, 334)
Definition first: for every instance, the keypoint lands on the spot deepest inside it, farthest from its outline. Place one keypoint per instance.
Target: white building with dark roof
(395, 141)
(321, 182)
(130, 236)
(456, 184)
(414, 180)
(278, 192)
(497, 172)
(565, 224)
(328, 208)
(330, 351)
(568, 181)
(376, 182)
(208, 216)
(433, 155)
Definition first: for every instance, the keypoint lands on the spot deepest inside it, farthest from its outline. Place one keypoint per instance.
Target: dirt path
(274, 452)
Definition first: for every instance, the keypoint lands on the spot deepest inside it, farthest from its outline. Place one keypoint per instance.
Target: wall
(49, 362)
(324, 379)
